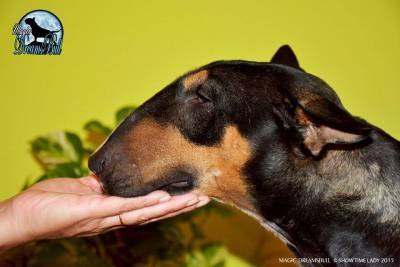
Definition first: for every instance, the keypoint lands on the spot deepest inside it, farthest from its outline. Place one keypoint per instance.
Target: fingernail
(165, 198)
(192, 202)
(203, 200)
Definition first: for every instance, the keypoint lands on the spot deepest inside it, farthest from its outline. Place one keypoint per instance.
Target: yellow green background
(117, 53)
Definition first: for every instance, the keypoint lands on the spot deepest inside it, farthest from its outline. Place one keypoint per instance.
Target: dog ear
(286, 56)
(322, 122)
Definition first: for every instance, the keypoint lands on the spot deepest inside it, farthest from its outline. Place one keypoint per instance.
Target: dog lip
(179, 183)
(98, 178)
(175, 185)
(180, 178)
(94, 175)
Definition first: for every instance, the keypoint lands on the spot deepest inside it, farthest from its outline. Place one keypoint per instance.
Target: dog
(274, 141)
(37, 31)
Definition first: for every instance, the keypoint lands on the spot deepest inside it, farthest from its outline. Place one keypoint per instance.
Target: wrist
(9, 237)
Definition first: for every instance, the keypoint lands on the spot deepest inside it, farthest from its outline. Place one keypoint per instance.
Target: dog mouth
(98, 179)
(175, 182)
(176, 187)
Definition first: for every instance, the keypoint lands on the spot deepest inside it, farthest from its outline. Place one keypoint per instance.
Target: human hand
(65, 207)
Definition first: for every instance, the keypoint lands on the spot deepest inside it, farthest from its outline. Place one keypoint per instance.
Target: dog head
(30, 21)
(203, 131)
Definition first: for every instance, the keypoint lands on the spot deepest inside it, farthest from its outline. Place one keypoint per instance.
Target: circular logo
(38, 32)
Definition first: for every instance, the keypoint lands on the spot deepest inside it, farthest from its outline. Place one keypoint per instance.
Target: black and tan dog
(274, 141)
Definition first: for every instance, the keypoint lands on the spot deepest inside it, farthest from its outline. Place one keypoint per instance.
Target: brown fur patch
(302, 118)
(194, 79)
(157, 149)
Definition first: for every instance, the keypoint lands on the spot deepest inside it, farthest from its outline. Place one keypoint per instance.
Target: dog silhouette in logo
(37, 31)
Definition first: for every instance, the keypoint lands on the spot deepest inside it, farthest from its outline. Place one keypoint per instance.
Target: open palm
(66, 207)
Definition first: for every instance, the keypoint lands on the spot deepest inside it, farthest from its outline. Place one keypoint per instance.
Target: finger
(117, 222)
(62, 185)
(106, 206)
(142, 215)
(203, 201)
(92, 182)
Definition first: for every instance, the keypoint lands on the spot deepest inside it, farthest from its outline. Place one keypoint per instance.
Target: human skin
(66, 207)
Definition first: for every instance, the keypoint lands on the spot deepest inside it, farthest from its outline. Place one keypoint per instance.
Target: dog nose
(97, 163)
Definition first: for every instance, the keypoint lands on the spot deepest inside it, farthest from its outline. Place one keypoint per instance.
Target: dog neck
(345, 205)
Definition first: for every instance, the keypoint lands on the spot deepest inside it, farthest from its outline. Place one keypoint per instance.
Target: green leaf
(50, 253)
(72, 252)
(195, 259)
(94, 126)
(123, 113)
(72, 170)
(57, 148)
(212, 254)
(215, 253)
(26, 184)
(96, 134)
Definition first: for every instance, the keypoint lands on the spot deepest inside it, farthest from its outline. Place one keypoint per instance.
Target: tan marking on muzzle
(157, 149)
(194, 79)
